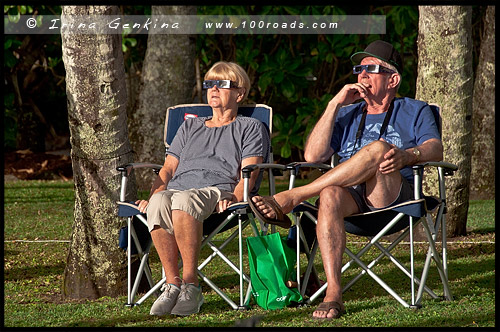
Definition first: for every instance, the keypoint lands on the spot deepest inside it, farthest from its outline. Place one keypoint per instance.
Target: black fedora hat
(381, 50)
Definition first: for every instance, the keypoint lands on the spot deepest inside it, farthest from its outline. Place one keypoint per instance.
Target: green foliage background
(295, 74)
(298, 74)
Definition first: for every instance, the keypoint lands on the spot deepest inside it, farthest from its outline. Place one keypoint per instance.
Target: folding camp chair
(374, 225)
(237, 215)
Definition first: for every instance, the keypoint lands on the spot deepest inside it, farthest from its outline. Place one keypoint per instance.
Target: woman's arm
(164, 176)
(239, 189)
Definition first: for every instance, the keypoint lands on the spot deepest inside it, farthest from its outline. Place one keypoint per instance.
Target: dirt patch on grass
(27, 165)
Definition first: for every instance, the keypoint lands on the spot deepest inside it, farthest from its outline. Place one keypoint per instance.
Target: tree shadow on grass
(28, 272)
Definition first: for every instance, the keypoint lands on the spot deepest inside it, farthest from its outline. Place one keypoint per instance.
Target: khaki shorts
(198, 203)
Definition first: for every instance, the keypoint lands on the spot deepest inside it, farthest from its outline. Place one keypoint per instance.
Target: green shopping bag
(272, 264)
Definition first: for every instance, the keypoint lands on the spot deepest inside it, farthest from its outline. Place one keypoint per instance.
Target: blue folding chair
(374, 225)
(237, 215)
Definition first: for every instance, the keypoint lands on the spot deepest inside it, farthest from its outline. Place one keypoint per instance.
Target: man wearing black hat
(377, 140)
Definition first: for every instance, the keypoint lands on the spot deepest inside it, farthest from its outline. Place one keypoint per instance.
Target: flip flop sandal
(281, 219)
(327, 306)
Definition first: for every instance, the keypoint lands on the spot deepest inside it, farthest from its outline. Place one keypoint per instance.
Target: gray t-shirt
(212, 156)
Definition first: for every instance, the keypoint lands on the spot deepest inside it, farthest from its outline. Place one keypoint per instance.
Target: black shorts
(358, 193)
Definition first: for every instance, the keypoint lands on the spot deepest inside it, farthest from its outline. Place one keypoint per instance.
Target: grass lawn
(40, 214)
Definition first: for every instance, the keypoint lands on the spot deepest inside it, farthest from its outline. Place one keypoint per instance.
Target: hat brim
(358, 56)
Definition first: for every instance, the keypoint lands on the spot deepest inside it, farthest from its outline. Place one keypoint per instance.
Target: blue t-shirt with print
(412, 123)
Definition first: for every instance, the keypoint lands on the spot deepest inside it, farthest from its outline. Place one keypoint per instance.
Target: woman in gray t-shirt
(201, 174)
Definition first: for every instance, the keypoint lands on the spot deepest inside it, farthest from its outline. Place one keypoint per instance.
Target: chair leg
(217, 251)
(149, 275)
(377, 278)
(396, 262)
(153, 290)
(310, 255)
(412, 265)
(297, 252)
(440, 221)
(129, 263)
(385, 252)
(310, 269)
(140, 271)
(240, 252)
(432, 253)
(217, 290)
(447, 292)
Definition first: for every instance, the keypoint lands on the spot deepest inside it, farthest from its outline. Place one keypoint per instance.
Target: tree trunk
(445, 77)
(168, 78)
(483, 131)
(95, 87)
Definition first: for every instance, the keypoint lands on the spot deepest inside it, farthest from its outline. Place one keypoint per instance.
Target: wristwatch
(417, 153)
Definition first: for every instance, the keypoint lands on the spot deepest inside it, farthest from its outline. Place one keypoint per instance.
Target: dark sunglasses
(221, 84)
(372, 69)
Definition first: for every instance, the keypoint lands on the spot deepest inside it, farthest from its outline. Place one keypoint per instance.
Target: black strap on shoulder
(361, 126)
(387, 117)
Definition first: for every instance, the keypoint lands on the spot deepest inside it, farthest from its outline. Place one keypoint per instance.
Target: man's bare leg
(336, 203)
(331, 237)
(362, 167)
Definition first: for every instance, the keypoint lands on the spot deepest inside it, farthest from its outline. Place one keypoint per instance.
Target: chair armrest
(127, 168)
(247, 170)
(294, 167)
(449, 168)
(443, 169)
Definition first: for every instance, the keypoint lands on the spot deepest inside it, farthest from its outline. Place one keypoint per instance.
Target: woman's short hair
(224, 70)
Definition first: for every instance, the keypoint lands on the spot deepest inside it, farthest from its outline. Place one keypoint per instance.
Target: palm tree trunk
(168, 79)
(483, 131)
(96, 92)
(445, 77)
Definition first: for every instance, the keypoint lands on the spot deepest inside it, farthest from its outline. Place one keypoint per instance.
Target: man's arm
(430, 150)
(395, 159)
(318, 147)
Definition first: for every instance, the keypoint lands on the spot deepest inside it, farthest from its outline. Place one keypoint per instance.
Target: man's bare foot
(281, 198)
(329, 310)
(267, 210)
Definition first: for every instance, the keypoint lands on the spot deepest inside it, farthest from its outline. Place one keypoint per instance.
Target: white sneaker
(189, 301)
(166, 301)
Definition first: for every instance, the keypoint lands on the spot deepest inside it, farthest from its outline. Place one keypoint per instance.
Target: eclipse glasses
(372, 69)
(221, 84)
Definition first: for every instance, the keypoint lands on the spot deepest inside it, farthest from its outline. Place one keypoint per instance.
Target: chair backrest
(436, 111)
(177, 114)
